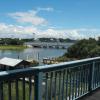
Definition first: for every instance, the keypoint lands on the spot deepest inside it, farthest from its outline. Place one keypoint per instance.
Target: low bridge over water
(49, 45)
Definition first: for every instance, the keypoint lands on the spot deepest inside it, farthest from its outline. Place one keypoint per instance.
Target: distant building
(11, 63)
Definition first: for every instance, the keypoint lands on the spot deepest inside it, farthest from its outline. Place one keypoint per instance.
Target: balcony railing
(64, 81)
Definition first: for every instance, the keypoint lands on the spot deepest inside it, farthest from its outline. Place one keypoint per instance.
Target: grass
(80, 88)
(27, 89)
(12, 47)
(20, 89)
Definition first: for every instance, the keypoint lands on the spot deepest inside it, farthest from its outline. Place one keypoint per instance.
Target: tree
(9, 41)
(84, 49)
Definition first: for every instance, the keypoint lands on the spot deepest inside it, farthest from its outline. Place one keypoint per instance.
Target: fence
(64, 81)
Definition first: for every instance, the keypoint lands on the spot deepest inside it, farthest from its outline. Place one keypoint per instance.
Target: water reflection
(32, 53)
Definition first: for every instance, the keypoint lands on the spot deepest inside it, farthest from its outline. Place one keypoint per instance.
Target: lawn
(12, 47)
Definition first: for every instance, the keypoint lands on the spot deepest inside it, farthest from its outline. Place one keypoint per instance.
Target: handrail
(44, 67)
(68, 64)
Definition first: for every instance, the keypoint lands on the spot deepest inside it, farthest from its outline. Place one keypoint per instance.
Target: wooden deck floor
(93, 96)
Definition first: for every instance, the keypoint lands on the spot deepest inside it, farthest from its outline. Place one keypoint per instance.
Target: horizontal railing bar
(31, 70)
(67, 64)
(18, 73)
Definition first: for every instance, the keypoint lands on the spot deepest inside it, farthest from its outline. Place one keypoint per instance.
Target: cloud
(9, 30)
(72, 34)
(49, 9)
(30, 17)
(33, 20)
(15, 31)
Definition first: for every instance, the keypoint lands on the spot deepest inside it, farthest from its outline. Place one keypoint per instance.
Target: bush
(84, 49)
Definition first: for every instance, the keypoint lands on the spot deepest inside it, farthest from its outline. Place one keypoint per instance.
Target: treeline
(85, 48)
(9, 41)
(17, 41)
(14, 41)
(55, 40)
(28, 40)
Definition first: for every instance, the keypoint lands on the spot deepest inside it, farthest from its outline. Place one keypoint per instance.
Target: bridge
(58, 45)
(64, 81)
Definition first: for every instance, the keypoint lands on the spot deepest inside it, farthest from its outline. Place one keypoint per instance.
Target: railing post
(1, 90)
(38, 79)
(91, 76)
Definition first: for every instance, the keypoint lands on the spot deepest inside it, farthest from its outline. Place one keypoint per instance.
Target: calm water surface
(33, 53)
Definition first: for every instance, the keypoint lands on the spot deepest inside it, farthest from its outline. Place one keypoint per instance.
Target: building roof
(10, 61)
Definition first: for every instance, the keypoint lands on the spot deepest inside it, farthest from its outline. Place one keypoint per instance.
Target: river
(32, 53)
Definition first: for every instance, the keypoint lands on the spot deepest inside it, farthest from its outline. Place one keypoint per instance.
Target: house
(11, 63)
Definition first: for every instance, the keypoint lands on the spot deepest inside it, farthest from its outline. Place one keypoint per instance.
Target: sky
(75, 19)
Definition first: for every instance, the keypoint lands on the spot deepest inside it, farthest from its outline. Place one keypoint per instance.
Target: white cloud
(27, 32)
(49, 9)
(73, 34)
(16, 31)
(30, 17)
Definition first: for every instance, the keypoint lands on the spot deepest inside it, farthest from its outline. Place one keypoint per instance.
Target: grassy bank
(20, 89)
(12, 47)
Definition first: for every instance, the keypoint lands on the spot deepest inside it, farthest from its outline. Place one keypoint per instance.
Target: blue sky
(50, 18)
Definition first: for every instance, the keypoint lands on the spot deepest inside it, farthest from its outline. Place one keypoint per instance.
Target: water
(33, 53)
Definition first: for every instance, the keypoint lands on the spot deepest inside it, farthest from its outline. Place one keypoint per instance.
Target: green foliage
(98, 41)
(66, 40)
(84, 49)
(28, 40)
(55, 40)
(9, 41)
(95, 52)
(62, 59)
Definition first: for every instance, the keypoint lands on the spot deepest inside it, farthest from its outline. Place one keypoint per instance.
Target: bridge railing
(64, 81)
